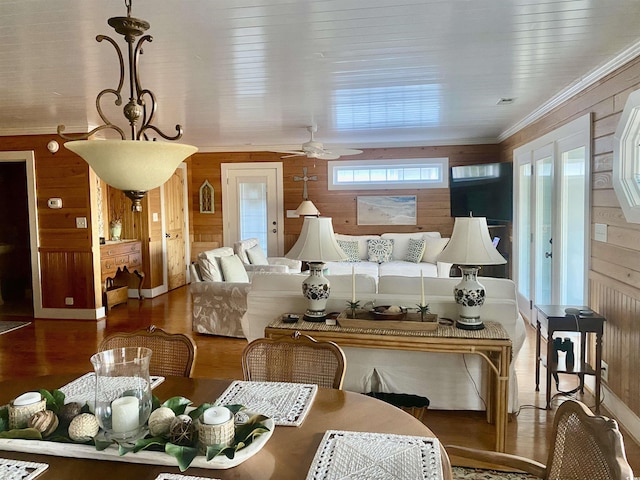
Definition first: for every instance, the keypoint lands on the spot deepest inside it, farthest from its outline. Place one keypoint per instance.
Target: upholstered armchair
(255, 260)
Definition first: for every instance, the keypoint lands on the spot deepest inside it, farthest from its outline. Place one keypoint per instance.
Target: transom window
(385, 174)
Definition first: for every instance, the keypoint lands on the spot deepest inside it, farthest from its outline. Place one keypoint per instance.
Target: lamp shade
(317, 242)
(132, 164)
(307, 208)
(471, 244)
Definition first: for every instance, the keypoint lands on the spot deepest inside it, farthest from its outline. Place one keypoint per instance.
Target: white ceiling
(252, 74)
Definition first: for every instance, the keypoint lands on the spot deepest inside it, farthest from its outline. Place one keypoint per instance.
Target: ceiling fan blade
(326, 156)
(291, 152)
(344, 151)
(296, 154)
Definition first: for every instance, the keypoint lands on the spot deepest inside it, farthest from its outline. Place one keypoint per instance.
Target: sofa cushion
(209, 263)
(241, 246)
(233, 269)
(344, 268)
(401, 243)
(433, 248)
(256, 256)
(362, 242)
(415, 250)
(350, 249)
(407, 269)
(380, 250)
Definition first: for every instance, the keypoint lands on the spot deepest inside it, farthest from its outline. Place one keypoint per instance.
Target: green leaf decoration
(235, 408)
(155, 403)
(4, 419)
(58, 397)
(195, 414)
(85, 408)
(177, 404)
(51, 402)
(101, 444)
(149, 443)
(124, 448)
(184, 455)
(22, 433)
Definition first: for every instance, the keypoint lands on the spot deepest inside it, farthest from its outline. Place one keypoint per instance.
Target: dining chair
(583, 445)
(297, 358)
(173, 354)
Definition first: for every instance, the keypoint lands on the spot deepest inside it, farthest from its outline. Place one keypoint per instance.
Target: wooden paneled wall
(66, 257)
(433, 204)
(614, 273)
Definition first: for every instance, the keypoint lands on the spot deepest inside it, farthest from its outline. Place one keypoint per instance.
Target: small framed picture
(206, 198)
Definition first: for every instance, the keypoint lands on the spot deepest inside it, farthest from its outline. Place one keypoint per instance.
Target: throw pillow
(209, 263)
(380, 250)
(256, 256)
(433, 248)
(350, 249)
(415, 250)
(233, 269)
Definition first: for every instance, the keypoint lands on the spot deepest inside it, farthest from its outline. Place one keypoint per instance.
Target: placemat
(357, 455)
(287, 403)
(83, 389)
(19, 470)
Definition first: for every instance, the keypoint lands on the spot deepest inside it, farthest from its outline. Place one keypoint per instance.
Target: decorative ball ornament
(45, 422)
(160, 421)
(182, 430)
(68, 412)
(83, 427)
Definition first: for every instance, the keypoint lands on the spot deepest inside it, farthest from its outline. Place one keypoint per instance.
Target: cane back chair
(297, 358)
(173, 354)
(583, 446)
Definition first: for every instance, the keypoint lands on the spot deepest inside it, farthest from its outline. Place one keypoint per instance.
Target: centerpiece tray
(371, 319)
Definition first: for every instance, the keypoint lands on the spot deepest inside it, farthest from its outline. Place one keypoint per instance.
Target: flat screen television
(484, 190)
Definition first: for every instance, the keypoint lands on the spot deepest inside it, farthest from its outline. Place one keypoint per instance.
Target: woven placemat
(286, 403)
(83, 389)
(491, 330)
(359, 455)
(18, 470)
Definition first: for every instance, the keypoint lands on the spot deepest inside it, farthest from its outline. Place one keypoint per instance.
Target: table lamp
(470, 247)
(316, 244)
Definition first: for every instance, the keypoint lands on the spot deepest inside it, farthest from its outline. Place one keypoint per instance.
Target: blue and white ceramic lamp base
(470, 296)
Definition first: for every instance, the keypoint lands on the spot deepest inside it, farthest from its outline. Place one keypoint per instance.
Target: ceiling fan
(314, 149)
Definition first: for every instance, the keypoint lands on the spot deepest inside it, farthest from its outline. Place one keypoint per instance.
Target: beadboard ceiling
(252, 74)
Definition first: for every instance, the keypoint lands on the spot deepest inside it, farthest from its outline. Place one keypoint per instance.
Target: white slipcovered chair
(255, 260)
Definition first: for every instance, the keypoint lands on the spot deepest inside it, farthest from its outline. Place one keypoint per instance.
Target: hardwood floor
(65, 346)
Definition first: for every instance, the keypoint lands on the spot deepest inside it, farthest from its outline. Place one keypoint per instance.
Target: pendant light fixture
(135, 165)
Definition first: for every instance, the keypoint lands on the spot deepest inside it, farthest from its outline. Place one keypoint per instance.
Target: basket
(19, 416)
(219, 435)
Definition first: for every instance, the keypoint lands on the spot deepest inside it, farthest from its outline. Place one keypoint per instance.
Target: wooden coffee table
(492, 344)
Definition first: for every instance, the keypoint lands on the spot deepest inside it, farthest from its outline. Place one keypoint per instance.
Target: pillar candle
(216, 415)
(27, 399)
(353, 284)
(421, 290)
(125, 414)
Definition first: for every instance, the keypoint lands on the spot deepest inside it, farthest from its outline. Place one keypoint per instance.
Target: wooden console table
(118, 261)
(492, 344)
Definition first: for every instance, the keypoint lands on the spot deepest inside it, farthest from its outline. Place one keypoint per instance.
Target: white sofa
(449, 381)
(398, 264)
(255, 260)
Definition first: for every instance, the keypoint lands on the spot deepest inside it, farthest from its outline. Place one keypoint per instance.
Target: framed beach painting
(387, 210)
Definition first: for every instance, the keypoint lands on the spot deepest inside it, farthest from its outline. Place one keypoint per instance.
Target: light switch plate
(292, 214)
(600, 233)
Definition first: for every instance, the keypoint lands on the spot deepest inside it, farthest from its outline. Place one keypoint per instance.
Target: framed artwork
(387, 210)
(206, 198)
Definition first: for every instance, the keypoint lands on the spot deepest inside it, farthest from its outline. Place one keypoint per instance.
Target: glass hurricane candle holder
(123, 392)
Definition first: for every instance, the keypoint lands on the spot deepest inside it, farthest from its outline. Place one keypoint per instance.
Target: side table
(554, 319)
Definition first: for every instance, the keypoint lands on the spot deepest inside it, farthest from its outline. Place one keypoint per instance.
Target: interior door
(175, 229)
(252, 203)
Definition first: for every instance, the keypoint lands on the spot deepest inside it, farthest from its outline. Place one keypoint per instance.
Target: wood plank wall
(614, 273)
(433, 205)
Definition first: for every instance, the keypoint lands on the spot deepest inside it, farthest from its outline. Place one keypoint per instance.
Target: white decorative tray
(18, 470)
(175, 476)
(357, 455)
(146, 457)
(286, 403)
(83, 389)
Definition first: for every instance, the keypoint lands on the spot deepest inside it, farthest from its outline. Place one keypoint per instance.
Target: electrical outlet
(605, 370)
(68, 301)
(81, 222)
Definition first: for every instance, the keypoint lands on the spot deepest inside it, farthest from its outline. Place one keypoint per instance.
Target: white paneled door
(252, 203)
(552, 221)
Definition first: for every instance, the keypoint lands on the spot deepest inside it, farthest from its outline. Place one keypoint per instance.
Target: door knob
(274, 230)
(548, 255)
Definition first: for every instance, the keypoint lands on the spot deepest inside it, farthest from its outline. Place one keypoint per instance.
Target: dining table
(288, 453)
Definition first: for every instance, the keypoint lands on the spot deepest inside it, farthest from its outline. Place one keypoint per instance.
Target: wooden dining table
(288, 454)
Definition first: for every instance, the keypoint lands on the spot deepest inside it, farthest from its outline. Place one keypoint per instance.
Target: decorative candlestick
(423, 309)
(421, 289)
(353, 305)
(353, 284)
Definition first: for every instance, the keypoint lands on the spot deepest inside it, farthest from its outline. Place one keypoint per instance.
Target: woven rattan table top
(491, 330)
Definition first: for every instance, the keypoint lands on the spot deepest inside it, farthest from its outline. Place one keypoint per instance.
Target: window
(384, 174)
(626, 159)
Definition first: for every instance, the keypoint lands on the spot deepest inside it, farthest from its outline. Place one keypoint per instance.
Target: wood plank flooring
(65, 346)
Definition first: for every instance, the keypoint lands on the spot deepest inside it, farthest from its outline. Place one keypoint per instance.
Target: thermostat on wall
(54, 203)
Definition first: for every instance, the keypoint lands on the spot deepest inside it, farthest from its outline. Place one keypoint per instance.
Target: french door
(552, 217)
(252, 204)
